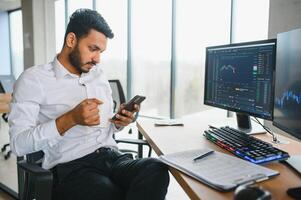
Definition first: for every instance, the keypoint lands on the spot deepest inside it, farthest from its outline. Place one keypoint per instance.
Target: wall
(285, 15)
(39, 31)
(5, 68)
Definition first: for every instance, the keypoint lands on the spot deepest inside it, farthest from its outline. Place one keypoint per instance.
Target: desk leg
(140, 146)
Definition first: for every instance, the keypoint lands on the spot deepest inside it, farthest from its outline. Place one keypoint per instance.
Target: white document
(218, 170)
(169, 122)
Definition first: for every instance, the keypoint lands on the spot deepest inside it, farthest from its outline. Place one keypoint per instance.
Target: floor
(8, 170)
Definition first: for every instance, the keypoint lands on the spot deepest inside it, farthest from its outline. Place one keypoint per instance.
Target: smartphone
(129, 106)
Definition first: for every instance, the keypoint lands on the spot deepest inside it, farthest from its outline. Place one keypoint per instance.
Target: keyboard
(244, 146)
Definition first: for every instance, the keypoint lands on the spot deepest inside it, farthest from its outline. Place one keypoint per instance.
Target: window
(5, 65)
(114, 59)
(59, 24)
(151, 54)
(76, 4)
(198, 24)
(250, 20)
(16, 42)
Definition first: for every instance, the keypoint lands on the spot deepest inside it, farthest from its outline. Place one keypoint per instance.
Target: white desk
(172, 139)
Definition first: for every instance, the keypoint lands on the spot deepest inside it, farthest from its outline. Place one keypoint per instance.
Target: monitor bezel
(274, 40)
(290, 131)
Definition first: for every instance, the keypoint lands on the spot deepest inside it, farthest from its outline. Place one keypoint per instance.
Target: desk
(5, 99)
(173, 139)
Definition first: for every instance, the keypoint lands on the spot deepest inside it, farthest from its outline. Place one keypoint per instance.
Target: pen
(203, 155)
(212, 127)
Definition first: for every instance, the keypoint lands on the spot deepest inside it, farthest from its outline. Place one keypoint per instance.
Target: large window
(76, 4)
(250, 20)
(198, 24)
(151, 53)
(59, 24)
(114, 59)
(5, 64)
(16, 42)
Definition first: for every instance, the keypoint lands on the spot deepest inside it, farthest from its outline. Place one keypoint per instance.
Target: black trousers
(107, 174)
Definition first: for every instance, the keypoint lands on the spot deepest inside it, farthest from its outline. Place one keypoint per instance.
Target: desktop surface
(166, 140)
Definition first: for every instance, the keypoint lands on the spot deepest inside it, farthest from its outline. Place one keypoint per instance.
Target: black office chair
(5, 146)
(34, 182)
(5, 118)
(119, 98)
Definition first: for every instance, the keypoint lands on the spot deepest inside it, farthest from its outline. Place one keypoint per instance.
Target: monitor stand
(244, 124)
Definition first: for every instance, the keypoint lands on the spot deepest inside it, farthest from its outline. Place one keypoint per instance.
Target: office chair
(5, 100)
(119, 98)
(5, 146)
(34, 182)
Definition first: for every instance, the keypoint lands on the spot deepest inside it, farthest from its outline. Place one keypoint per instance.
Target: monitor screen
(287, 110)
(240, 77)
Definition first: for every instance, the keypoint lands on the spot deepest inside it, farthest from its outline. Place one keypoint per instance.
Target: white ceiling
(9, 4)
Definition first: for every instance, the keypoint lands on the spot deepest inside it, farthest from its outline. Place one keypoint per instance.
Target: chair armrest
(33, 168)
(42, 180)
(132, 141)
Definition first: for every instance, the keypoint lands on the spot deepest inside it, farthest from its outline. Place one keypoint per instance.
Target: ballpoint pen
(203, 155)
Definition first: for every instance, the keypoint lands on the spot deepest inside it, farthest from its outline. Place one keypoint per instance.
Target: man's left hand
(124, 117)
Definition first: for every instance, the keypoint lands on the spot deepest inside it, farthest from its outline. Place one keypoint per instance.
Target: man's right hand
(86, 113)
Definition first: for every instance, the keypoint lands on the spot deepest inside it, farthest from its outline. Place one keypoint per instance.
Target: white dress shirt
(45, 92)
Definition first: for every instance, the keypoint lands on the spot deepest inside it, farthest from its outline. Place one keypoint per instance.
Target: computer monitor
(287, 109)
(240, 77)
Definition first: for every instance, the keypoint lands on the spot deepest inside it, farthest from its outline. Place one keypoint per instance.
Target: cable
(275, 139)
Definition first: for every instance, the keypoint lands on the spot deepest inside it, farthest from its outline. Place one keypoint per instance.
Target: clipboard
(219, 171)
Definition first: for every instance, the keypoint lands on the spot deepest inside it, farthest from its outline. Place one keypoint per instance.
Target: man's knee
(155, 170)
(106, 189)
(151, 181)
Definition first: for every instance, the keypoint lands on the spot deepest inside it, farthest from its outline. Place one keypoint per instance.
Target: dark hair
(83, 20)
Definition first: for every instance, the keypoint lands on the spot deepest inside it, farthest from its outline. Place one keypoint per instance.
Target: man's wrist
(64, 123)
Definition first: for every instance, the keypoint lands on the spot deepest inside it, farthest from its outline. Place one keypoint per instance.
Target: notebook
(169, 122)
(295, 162)
(218, 170)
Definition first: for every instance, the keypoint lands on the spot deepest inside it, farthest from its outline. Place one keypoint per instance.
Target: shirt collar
(60, 71)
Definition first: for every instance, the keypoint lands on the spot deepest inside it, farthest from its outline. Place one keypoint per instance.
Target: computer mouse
(294, 192)
(251, 192)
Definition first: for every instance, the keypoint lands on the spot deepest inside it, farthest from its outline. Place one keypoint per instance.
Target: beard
(75, 60)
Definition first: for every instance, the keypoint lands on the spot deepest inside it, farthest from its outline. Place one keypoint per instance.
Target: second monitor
(240, 78)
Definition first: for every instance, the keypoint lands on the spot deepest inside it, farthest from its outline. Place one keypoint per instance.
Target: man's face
(87, 50)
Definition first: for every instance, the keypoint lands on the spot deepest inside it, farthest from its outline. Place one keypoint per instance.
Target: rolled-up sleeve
(27, 135)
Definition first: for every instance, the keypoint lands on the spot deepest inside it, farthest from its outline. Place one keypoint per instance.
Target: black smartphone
(129, 106)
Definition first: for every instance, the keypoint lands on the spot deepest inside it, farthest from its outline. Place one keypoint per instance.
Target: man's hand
(124, 117)
(86, 113)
